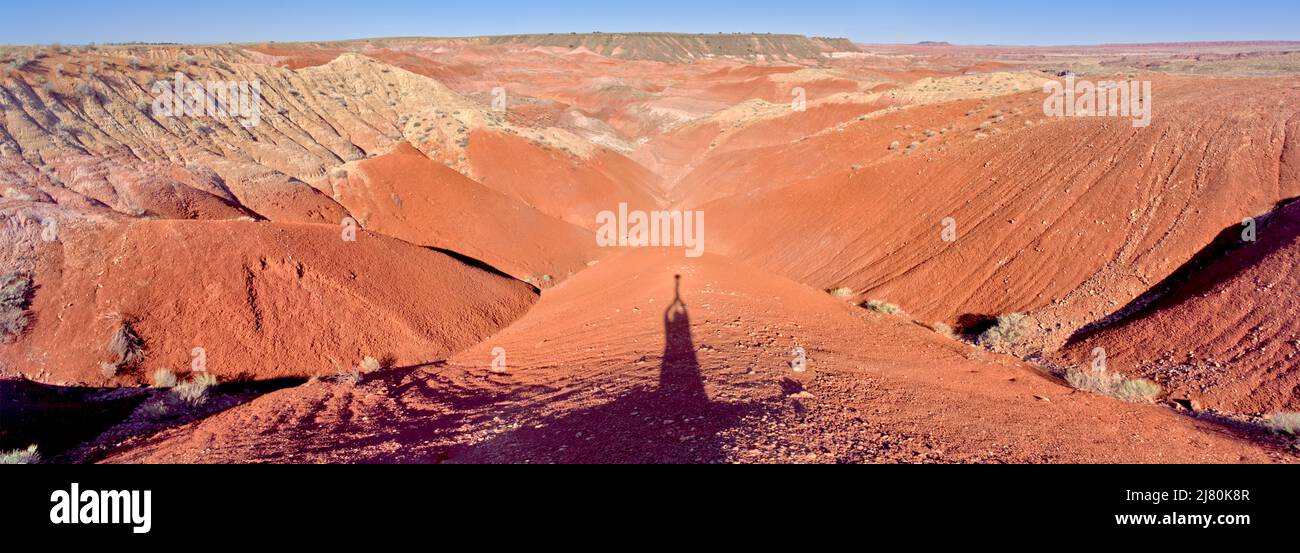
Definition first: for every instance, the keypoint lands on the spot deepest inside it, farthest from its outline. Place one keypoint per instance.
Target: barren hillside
(412, 224)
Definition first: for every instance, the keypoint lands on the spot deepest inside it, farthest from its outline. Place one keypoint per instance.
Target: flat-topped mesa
(686, 48)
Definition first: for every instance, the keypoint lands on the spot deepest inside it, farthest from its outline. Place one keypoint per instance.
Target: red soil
(1041, 228)
(1069, 220)
(1228, 338)
(298, 56)
(264, 300)
(562, 185)
(409, 196)
(608, 368)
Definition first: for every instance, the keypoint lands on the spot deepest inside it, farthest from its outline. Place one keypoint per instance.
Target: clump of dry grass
(164, 378)
(195, 392)
(543, 281)
(27, 456)
(945, 330)
(1135, 390)
(15, 298)
(125, 346)
(1288, 423)
(883, 307)
(348, 377)
(844, 294)
(1009, 331)
(156, 410)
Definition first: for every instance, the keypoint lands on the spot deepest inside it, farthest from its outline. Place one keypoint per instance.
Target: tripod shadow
(676, 422)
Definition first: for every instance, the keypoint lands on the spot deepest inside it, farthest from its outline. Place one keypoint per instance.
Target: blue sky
(957, 21)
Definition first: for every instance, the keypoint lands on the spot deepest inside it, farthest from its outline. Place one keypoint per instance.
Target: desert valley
(425, 250)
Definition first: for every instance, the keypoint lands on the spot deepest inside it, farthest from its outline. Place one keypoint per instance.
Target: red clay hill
(410, 231)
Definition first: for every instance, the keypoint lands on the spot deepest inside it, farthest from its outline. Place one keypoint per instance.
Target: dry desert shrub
(125, 346)
(845, 294)
(15, 298)
(945, 330)
(27, 456)
(348, 377)
(16, 194)
(1114, 385)
(1009, 330)
(543, 281)
(156, 410)
(1288, 423)
(195, 392)
(883, 307)
(164, 378)
(370, 365)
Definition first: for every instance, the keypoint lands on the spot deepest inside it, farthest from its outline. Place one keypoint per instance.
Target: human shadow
(679, 371)
(675, 422)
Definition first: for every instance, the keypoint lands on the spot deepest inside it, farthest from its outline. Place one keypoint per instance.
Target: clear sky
(959, 21)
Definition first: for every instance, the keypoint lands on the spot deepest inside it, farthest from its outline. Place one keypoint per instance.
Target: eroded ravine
(608, 367)
(818, 197)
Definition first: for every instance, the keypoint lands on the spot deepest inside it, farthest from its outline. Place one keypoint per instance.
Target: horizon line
(668, 33)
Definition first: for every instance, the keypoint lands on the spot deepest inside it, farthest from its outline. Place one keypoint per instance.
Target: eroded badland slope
(407, 200)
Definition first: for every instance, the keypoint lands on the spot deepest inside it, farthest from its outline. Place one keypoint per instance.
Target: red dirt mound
(1228, 338)
(263, 300)
(409, 196)
(1038, 227)
(622, 364)
(560, 184)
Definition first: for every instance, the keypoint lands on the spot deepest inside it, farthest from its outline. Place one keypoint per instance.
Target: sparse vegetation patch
(164, 378)
(15, 298)
(125, 347)
(1114, 385)
(883, 307)
(27, 456)
(1009, 331)
(1287, 423)
(195, 392)
(845, 294)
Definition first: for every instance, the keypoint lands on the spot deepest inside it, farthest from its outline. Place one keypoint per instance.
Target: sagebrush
(1288, 423)
(883, 307)
(15, 298)
(195, 392)
(124, 346)
(1009, 330)
(27, 456)
(1133, 390)
(841, 293)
